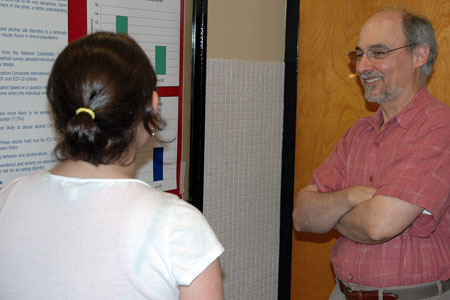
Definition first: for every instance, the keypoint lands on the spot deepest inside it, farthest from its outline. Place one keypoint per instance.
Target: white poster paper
(31, 35)
(157, 161)
(154, 24)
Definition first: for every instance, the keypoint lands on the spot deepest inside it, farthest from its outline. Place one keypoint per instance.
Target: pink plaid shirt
(408, 160)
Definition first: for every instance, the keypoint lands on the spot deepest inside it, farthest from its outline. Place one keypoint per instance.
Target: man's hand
(359, 194)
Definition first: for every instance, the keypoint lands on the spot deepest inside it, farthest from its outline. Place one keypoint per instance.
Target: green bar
(160, 60)
(121, 24)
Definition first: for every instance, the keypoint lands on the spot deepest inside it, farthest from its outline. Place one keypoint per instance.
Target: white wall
(243, 138)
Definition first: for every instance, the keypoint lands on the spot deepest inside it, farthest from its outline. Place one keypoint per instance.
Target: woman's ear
(155, 101)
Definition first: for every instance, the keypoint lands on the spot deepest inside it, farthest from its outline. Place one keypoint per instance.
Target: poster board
(31, 35)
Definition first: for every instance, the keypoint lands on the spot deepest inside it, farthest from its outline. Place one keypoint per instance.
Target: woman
(86, 229)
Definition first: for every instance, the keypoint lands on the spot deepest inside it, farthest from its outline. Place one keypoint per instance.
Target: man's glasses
(372, 54)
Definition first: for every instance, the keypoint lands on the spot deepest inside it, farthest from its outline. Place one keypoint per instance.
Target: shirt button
(370, 178)
(349, 277)
(377, 144)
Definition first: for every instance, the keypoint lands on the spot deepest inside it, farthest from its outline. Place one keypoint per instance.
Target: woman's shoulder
(151, 199)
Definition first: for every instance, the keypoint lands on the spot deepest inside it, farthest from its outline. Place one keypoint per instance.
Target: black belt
(413, 292)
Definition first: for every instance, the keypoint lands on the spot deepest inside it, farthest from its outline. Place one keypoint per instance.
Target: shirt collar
(406, 115)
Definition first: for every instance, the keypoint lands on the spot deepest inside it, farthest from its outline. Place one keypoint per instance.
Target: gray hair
(419, 31)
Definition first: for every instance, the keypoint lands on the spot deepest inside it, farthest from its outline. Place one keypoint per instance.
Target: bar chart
(156, 162)
(155, 25)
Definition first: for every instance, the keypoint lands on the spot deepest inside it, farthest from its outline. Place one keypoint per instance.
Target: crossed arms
(356, 212)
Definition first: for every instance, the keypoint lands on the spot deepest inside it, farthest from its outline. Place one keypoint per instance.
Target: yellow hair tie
(86, 110)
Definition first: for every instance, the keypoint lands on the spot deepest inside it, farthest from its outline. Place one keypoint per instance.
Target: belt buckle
(346, 288)
(350, 289)
(352, 293)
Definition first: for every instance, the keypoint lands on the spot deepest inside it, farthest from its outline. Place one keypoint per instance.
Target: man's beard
(388, 93)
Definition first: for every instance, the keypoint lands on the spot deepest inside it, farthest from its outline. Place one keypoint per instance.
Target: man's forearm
(319, 212)
(377, 220)
(350, 226)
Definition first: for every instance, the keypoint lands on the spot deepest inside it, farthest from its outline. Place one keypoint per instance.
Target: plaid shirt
(408, 160)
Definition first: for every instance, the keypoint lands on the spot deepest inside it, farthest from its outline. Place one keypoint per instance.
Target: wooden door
(330, 100)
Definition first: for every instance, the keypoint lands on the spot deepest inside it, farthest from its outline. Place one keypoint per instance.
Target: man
(386, 185)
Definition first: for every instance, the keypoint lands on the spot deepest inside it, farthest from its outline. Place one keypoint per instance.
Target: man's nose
(364, 64)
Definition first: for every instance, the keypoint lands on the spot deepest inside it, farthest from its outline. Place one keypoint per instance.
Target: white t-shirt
(71, 238)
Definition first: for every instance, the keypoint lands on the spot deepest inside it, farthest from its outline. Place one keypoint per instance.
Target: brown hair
(112, 76)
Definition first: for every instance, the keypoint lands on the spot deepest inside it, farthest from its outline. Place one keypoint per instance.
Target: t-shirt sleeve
(193, 245)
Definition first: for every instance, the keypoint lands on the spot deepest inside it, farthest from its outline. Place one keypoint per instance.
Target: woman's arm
(207, 286)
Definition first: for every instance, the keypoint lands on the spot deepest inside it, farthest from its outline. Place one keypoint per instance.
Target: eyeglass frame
(371, 57)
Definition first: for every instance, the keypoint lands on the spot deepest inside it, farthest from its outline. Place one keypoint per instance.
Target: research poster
(155, 25)
(156, 162)
(32, 33)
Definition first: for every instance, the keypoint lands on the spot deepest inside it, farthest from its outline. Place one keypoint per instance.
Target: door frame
(288, 150)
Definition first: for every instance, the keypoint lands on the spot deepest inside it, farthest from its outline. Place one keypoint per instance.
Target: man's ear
(421, 53)
(155, 101)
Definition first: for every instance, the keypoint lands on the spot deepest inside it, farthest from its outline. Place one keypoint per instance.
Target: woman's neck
(82, 169)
